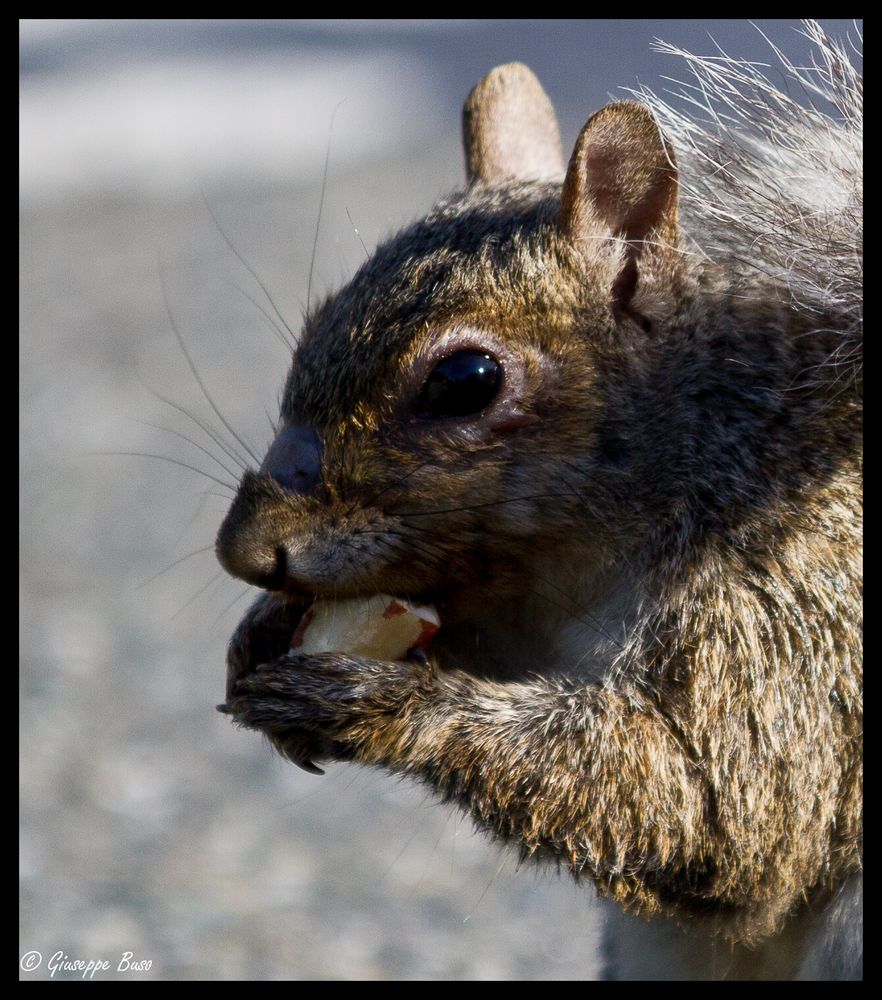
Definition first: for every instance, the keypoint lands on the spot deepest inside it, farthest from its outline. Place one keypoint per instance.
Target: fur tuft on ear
(510, 131)
(622, 178)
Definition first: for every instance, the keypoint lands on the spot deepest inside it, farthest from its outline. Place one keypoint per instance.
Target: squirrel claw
(307, 765)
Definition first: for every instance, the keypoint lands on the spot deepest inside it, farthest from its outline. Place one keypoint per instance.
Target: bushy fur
(773, 176)
(648, 566)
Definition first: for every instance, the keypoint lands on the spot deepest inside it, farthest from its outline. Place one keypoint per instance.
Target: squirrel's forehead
(418, 283)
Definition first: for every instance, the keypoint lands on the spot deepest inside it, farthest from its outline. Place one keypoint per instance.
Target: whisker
(232, 603)
(432, 557)
(486, 889)
(177, 562)
(318, 222)
(358, 234)
(183, 437)
(391, 486)
(479, 506)
(198, 593)
(280, 334)
(591, 621)
(248, 268)
(207, 429)
(194, 370)
(162, 458)
(203, 497)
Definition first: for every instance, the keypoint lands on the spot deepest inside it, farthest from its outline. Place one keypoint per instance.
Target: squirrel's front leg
(349, 705)
(556, 768)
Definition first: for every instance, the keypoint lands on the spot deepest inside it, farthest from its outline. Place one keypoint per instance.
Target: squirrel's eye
(460, 385)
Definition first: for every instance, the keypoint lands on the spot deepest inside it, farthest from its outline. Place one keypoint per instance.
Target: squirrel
(605, 415)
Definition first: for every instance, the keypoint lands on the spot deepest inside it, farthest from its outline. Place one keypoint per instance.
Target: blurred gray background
(150, 825)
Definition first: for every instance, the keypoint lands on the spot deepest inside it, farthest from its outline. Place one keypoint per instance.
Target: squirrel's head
(452, 410)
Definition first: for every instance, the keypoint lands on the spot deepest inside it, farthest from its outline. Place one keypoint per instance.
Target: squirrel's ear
(622, 179)
(510, 131)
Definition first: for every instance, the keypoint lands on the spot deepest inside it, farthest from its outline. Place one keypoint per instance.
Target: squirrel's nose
(294, 459)
(253, 540)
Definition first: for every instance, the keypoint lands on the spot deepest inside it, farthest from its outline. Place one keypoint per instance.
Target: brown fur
(646, 559)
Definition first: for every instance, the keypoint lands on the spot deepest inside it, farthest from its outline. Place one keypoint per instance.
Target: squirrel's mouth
(264, 634)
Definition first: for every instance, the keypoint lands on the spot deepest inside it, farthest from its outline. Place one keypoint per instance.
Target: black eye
(460, 385)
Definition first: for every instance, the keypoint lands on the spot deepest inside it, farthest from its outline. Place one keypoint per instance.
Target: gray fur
(646, 551)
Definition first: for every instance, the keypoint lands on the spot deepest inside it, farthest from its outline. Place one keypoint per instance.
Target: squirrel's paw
(325, 705)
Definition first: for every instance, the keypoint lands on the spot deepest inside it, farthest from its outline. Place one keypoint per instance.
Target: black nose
(295, 459)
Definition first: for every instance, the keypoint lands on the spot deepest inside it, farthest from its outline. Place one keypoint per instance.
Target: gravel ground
(150, 825)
